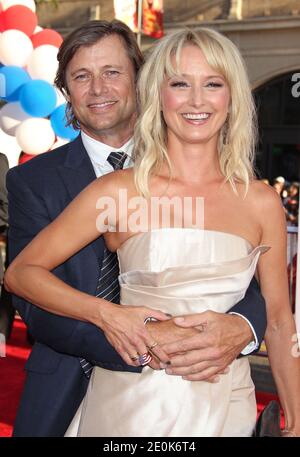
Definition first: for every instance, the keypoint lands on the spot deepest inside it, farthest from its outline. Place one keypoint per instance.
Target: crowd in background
(290, 198)
(289, 193)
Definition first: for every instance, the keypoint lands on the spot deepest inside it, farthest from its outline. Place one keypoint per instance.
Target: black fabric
(253, 307)
(268, 423)
(117, 159)
(3, 193)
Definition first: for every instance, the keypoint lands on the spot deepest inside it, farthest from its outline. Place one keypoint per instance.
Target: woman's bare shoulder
(263, 193)
(264, 199)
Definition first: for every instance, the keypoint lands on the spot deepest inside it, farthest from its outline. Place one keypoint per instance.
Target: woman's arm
(30, 276)
(281, 328)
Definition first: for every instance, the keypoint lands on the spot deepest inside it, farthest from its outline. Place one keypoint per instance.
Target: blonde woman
(194, 145)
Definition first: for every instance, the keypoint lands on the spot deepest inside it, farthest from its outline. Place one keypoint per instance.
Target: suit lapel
(77, 173)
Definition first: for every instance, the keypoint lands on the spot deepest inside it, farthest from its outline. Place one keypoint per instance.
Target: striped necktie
(108, 284)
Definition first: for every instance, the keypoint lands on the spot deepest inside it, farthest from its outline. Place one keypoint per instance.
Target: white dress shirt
(98, 153)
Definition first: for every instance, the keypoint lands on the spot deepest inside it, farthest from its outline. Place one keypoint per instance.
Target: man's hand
(218, 340)
(167, 332)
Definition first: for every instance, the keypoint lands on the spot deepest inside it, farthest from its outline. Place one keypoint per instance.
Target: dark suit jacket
(38, 191)
(3, 193)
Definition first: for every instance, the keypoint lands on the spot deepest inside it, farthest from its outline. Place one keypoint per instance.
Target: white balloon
(8, 3)
(60, 99)
(15, 48)
(11, 115)
(60, 142)
(35, 135)
(42, 63)
(10, 147)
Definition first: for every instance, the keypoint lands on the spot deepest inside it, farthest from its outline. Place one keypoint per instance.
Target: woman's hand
(125, 330)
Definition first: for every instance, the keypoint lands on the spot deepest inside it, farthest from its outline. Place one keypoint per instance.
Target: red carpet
(12, 377)
(263, 398)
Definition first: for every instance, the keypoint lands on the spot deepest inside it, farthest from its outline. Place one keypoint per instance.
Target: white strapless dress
(179, 271)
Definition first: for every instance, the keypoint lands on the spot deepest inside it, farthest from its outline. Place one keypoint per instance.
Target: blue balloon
(38, 98)
(11, 81)
(58, 121)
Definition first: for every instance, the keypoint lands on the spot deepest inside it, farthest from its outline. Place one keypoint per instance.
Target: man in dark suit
(3, 196)
(98, 64)
(7, 311)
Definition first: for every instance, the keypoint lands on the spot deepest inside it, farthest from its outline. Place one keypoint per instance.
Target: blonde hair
(238, 135)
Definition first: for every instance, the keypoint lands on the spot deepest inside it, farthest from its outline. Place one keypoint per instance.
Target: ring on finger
(144, 359)
(153, 345)
(135, 357)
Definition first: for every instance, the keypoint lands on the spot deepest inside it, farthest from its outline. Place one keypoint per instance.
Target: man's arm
(253, 309)
(27, 216)
(218, 338)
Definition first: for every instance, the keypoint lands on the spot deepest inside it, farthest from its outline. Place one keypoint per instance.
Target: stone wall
(68, 14)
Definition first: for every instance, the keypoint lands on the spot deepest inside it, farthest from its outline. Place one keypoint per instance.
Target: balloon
(46, 36)
(11, 116)
(8, 3)
(10, 147)
(35, 135)
(58, 122)
(15, 48)
(42, 64)
(59, 142)
(38, 98)
(60, 99)
(11, 80)
(37, 29)
(21, 18)
(1, 22)
(25, 157)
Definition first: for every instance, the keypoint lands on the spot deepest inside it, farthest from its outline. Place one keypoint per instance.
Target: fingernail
(165, 365)
(168, 371)
(179, 319)
(217, 379)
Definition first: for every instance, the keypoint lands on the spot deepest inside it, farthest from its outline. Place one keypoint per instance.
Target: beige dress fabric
(179, 271)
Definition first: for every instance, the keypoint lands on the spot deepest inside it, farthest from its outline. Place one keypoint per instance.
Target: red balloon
(1, 22)
(46, 36)
(21, 18)
(24, 157)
